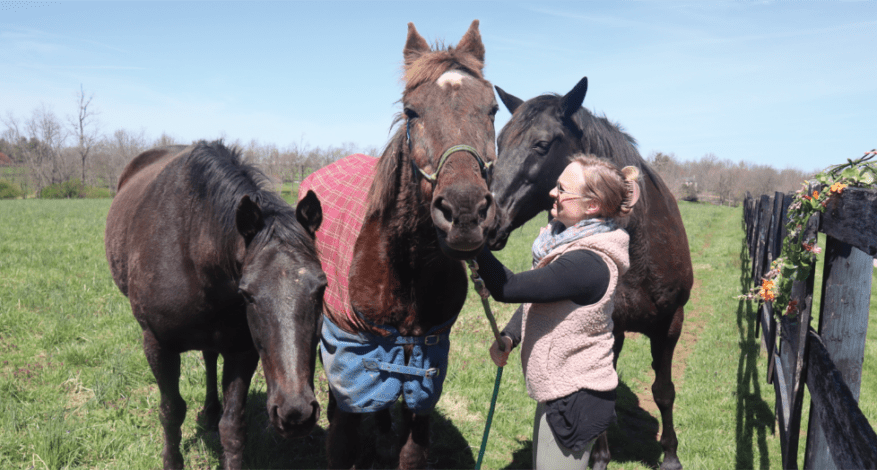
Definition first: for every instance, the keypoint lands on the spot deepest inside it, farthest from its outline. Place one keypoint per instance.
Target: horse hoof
(671, 464)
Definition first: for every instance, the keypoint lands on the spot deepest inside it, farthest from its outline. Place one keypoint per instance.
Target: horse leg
(600, 451)
(212, 408)
(414, 437)
(663, 390)
(385, 444)
(165, 367)
(331, 407)
(342, 441)
(237, 372)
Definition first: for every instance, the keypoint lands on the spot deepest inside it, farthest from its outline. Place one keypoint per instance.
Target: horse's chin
(458, 253)
(297, 430)
(498, 239)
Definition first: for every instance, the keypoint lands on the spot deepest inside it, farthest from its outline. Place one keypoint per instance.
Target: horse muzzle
(463, 217)
(293, 416)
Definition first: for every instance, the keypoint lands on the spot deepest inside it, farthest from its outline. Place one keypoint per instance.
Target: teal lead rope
(484, 294)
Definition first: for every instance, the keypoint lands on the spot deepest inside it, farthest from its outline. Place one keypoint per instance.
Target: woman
(565, 325)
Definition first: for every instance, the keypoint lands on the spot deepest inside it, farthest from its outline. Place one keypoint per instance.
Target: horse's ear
(415, 46)
(309, 212)
(510, 101)
(574, 99)
(248, 219)
(471, 42)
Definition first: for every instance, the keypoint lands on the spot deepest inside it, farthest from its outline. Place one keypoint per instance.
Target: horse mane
(219, 178)
(395, 187)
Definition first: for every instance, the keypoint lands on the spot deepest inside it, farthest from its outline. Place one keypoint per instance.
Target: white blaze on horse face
(452, 78)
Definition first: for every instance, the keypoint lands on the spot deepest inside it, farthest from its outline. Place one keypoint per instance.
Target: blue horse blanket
(367, 372)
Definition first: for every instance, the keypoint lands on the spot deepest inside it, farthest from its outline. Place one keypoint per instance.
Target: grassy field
(76, 392)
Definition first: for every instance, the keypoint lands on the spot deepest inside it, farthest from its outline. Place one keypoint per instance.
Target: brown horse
(211, 261)
(533, 147)
(428, 207)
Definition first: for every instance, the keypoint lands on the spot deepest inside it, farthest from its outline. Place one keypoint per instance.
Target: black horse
(533, 150)
(212, 261)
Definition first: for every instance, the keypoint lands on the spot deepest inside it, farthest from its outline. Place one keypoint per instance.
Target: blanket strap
(373, 365)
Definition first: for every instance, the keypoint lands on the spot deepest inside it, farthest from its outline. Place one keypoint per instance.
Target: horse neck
(399, 270)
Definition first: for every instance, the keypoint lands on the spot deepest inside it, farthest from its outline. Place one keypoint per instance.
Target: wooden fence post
(793, 353)
(843, 323)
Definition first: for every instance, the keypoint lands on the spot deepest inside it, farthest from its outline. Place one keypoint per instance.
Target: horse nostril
(315, 410)
(486, 207)
(274, 416)
(443, 213)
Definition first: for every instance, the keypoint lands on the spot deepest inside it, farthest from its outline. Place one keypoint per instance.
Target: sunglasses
(563, 191)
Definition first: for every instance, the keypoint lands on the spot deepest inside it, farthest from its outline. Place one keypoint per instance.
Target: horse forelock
(431, 66)
(220, 179)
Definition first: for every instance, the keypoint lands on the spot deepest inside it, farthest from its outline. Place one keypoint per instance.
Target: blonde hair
(615, 190)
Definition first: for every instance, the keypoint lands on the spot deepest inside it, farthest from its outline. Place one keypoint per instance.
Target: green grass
(76, 392)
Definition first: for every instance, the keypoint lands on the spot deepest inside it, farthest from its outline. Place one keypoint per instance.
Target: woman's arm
(579, 275)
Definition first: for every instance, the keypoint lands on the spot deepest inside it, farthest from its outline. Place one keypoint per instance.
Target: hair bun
(631, 177)
(630, 172)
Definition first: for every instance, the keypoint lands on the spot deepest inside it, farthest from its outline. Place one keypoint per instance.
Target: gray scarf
(556, 234)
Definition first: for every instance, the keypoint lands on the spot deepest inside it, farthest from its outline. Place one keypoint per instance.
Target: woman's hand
(501, 357)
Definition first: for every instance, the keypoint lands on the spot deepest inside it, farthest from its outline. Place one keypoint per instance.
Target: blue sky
(787, 84)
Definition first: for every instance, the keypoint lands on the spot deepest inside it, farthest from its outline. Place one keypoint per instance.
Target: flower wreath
(797, 255)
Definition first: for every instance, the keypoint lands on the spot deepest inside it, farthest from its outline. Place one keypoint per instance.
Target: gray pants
(549, 454)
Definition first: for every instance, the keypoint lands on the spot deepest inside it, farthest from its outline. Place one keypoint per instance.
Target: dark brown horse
(533, 150)
(212, 261)
(427, 208)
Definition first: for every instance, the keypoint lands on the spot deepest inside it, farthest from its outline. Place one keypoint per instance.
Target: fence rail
(829, 361)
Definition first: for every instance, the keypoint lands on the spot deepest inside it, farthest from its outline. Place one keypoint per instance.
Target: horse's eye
(410, 113)
(542, 146)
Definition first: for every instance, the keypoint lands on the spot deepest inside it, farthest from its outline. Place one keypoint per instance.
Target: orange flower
(815, 194)
(838, 188)
(812, 248)
(767, 292)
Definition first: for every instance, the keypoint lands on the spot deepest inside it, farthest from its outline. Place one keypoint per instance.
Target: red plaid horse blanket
(342, 188)
(365, 364)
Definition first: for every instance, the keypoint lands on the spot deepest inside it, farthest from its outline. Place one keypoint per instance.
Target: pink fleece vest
(566, 347)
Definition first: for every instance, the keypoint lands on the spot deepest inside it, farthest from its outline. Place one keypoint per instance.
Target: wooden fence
(829, 361)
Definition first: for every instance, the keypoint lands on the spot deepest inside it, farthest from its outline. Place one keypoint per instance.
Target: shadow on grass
(523, 457)
(266, 449)
(754, 418)
(632, 438)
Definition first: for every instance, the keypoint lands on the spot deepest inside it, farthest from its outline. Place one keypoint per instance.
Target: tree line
(723, 182)
(47, 151)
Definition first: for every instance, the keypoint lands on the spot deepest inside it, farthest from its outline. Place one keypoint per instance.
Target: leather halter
(432, 178)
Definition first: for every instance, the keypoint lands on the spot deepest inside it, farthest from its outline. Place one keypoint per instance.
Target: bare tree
(85, 127)
(115, 152)
(164, 140)
(41, 144)
(674, 174)
(48, 153)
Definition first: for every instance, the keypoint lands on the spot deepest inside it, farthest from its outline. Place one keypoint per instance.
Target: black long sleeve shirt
(579, 275)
